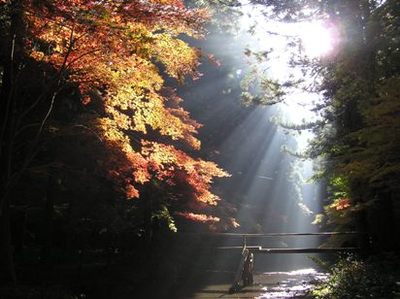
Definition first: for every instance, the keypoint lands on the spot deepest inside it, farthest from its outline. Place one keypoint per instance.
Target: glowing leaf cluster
(116, 53)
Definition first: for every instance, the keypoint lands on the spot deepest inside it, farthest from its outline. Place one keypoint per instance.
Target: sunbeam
(268, 186)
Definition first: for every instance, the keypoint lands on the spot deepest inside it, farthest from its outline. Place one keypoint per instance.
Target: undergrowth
(352, 277)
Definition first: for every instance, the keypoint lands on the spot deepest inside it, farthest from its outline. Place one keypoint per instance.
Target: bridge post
(239, 272)
(247, 274)
(245, 270)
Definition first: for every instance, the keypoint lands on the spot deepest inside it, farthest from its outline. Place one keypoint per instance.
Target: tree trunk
(8, 113)
(364, 240)
(48, 224)
(7, 276)
(385, 229)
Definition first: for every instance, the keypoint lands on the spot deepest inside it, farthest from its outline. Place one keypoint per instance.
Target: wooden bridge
(261, 249)
(246, 264)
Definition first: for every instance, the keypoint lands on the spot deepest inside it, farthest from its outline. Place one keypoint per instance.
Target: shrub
(352, 277)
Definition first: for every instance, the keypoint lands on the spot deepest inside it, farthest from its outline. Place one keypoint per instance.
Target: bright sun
(316, 38)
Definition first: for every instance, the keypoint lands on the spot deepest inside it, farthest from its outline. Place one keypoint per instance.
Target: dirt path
(277, 285)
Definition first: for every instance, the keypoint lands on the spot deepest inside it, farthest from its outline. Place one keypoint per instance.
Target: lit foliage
(340, 208)
(352, 277)
(340, 204)
(114, 52)
(199, 217)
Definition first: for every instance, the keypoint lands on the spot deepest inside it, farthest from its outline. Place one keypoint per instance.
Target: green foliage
(357, 136)
(225, 13)
(360, 109)
(340, 186)
(352, 278)
(163, 215)
(261, 89)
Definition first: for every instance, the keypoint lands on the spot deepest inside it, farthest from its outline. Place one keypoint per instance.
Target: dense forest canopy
(358, 113)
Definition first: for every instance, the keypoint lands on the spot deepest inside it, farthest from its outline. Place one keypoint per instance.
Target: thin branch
(10, 92)
(90, 130)
(14, 178)
(81, 56)
(62, 69)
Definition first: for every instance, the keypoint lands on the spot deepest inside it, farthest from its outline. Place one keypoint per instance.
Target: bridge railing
(246, 262)
(287, 249)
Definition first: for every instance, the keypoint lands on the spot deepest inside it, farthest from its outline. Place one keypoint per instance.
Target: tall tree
(109, 59)
(355, 136)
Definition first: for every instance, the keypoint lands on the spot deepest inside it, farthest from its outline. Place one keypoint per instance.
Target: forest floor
(125, 282)
(268, 285)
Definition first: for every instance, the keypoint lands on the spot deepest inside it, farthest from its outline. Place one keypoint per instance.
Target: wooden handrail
(275, 234)
(239, 247)
(260, 249)
(307, 250)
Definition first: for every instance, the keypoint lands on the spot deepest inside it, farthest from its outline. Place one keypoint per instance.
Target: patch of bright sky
(273, 36)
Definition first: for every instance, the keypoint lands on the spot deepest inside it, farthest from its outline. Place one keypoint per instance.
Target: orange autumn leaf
(117, 54)
(341, 204)
(198, 217)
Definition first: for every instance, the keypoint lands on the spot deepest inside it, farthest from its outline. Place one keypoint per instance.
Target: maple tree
(117, 55)
(111, 50)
